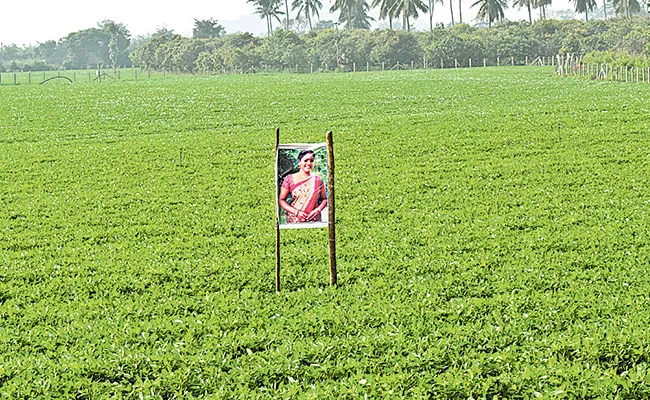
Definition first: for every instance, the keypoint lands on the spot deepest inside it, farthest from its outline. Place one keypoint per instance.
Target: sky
(38, 21)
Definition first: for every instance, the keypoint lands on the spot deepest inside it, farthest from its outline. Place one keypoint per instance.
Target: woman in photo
(308, 196)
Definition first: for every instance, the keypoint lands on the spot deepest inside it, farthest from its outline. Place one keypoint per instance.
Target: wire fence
(139, 74)
(569, 66)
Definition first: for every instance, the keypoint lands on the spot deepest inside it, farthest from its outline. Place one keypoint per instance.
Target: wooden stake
(331, 220)
(277, 220)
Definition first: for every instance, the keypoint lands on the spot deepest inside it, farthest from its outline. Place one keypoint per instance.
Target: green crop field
(493, 238)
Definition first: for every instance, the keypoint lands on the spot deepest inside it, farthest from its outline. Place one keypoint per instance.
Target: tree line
(327, 47)
(109, 45)
(355, 14)
(344, 49)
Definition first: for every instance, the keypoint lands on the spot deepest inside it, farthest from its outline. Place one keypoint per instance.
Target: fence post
(513, 61)
(484, 65)
(15, 79)
(29, 77)
(442, 65)
(354, 67)
(526, 60)
(455, 63)
(367, 66)
(498, 62)
(411, 64)
(382, 65)
(470, 62)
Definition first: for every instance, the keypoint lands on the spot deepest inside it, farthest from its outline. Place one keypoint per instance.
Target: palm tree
(584, 6)
(451, 8)
(308, 7)
(408, 9)
(492, 10)
(386, 10)
(354, 13)
(431, 4)
(541, 5)
(268, 9)
(525, 3)
(343, 7)
(360, 18)
(286, 7)
(626, 7)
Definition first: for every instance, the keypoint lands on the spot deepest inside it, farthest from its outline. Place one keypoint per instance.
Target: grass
(492, 238)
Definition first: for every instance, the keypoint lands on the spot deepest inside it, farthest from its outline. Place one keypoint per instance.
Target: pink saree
(304, 195)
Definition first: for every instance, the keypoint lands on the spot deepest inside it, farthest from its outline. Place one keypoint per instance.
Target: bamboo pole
(277, 220)
(331, 220)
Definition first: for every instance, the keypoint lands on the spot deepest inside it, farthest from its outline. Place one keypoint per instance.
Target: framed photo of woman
(301, 185)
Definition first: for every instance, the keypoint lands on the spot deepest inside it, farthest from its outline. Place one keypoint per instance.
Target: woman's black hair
(304, 153)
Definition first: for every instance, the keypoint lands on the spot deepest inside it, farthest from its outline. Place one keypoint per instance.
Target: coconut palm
(584, 6)
(525, 3)
(286, 7)
(431, 5)
(343, 6)
(268, 9)
(626, 7)
(451, 9)
(492, 10)
(408, 9)
(308, 8)
(353, 13)
(386, 10)
(360, 17)
(541, 5)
